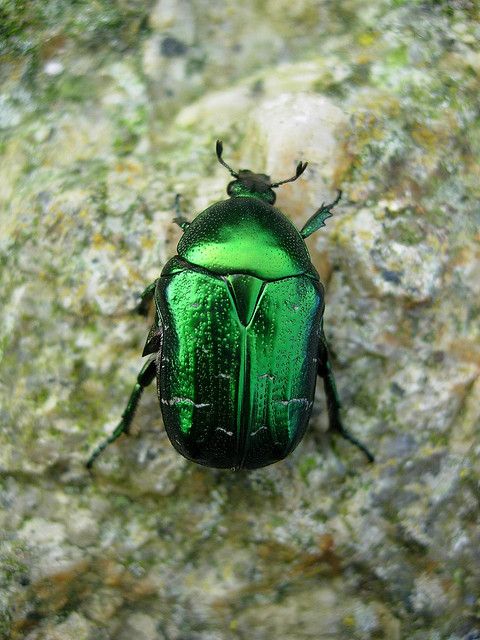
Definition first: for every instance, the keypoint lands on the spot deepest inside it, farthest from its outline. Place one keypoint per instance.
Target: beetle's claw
(337, 199)
(301, 168)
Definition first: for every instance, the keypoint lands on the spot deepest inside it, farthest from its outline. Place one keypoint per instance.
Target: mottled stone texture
(109, 108)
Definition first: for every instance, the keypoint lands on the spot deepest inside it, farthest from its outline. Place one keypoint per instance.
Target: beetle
(238, 342)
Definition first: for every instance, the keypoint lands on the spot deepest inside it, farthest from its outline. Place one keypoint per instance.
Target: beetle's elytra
(237, 342)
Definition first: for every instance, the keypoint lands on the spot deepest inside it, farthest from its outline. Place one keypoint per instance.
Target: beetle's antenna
(219, 150)
(300, 169)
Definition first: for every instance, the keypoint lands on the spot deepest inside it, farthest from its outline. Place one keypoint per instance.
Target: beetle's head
(252, 184)
(256, 185)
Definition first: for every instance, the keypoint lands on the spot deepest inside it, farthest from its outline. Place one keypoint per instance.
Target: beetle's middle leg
(145, 377)
(333, 401)
(145, 299)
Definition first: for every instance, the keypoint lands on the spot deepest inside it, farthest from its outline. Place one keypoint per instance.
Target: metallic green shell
(237, 370)
(245, 235)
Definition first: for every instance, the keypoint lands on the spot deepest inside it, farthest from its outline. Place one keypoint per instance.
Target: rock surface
(107, 110)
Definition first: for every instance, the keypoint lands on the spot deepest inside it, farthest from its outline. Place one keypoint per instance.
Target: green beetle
(238, 341)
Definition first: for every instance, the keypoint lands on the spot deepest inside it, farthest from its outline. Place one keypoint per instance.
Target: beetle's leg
(333, 401)
(145, 377)
(145, 299)
(318, 219)
(182, 222)
(154, 340)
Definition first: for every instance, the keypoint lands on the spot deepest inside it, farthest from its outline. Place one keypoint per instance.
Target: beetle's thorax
(245, 235)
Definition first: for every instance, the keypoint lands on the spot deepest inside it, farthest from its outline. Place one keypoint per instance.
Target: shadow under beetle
(238, 341)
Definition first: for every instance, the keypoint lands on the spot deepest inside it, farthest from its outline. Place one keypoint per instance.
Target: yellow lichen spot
(98, 240)
(366, 39)
(349, 621)
(234, 625)
(134, 167)
(365, 235)
(147, 242)
(364, 58)
(424, 136)
(435, 243)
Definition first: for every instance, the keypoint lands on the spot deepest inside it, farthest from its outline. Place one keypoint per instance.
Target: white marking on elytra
(224, 375)
(229, 433)
(269, 376)
(176, 400)
(299, 400)
(262, 428)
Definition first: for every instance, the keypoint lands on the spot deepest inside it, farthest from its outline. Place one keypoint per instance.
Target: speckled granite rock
(107, 110)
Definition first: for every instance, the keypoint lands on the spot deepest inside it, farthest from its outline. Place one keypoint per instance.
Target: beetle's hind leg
(145, 377)
(333, 401)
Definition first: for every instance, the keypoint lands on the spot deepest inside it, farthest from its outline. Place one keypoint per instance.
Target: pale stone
(294, 127)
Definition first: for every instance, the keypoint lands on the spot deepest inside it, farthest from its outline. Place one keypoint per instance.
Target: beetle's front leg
(145, 377)
(180, 219)
(145, 299)
(333, 401)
